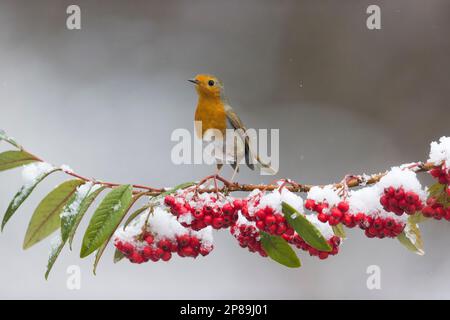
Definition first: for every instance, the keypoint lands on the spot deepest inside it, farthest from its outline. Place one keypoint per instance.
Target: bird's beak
(194, 81)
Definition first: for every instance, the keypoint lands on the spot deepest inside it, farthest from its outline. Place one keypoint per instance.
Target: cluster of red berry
(436, 210)
(199, 211)
(379, 226)
(373, 225)
(297, 241)
(399, 201)
(146, 247)
(334, 215)
(442, 174)
(269, 219)
(248, 237)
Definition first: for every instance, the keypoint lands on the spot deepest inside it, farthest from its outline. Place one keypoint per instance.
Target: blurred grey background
(106, 98)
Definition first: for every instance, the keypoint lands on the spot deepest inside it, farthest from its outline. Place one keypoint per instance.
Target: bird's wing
(236, 123)
(250, 155)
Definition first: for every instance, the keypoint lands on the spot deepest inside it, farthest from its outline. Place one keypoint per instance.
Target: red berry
(336, 213)
(166, 256)
(333, 221)
(310, 204)
(238, 204)
(270, 219)
(343, 206)
(195, 242)
(128, 248)
(348, 220)
(322, 217)
(323, 255)
(147, 252)
(187, 251)
(208, 220)
(183, 240)
(149, 239)
(260, 225)
(136, 258)
(217, 223)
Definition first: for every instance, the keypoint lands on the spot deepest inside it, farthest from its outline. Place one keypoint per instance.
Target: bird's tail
(265, 167)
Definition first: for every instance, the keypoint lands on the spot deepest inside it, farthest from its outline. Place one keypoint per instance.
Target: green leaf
(309, 233)
(418, 217)
(76, 212)
(102, 248)
(106, 219)
(118, 255)
(175, 189)
(436, 189)
(135, 214)
(411, 238)
(55, 250)
(45, 219)
(13, 159)
(279, 250)
(98, 255)
(4, 136)
(339, 231)
(22, 195)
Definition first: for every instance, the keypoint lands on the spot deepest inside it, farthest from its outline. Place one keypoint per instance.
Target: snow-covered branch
(271, 220)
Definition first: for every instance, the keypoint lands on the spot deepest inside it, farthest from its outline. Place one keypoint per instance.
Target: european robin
(215, 113)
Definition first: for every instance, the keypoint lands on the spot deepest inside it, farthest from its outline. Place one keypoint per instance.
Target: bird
(215, 113)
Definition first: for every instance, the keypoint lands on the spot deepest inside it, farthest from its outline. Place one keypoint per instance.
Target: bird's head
(208, 85)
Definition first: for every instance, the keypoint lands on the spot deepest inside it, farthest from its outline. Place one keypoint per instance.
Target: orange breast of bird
(211, 112)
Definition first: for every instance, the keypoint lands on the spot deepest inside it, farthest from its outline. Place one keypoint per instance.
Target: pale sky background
(106, 98)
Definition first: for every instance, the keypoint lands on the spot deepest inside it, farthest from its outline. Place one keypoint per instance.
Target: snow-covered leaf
(85, 206)
(74, 211)
(339, 230)
(279, 250)
(411, 238)
(309, 233)
(56, 248)
(106, 219)
(14, 159)
(23, 194)
(46, 219)
(71, 217)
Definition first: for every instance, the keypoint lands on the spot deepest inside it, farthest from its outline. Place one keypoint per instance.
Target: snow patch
(326, 194)
(367, 201)
(440, 152)
(81, 193)
(163, 225)
(402, 178)
(34, 171)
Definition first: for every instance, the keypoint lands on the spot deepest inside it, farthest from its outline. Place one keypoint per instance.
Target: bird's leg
(219, 167)
(236, 169)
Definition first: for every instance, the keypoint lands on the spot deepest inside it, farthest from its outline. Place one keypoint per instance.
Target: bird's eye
(211, 83)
